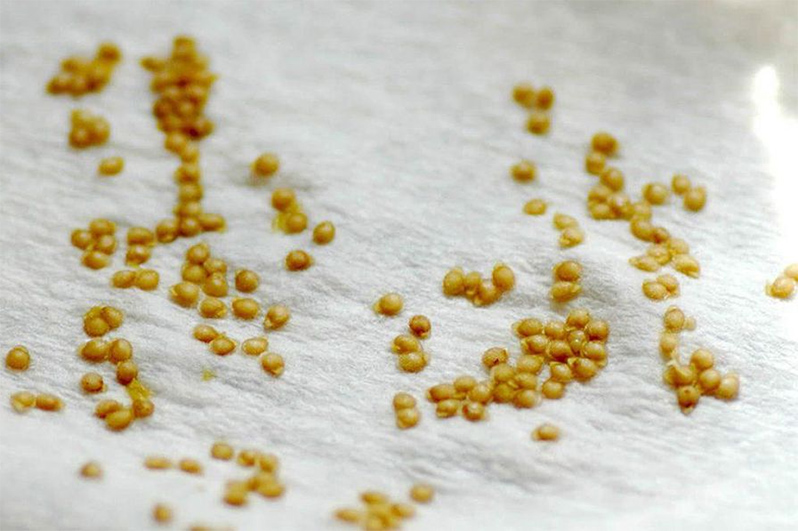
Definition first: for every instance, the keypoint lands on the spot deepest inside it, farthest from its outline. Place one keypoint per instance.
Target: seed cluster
(697, 377)
(693, 197)
(571, 234)
(265, 479)
(81, 75)
(784, 285)
(661, 288)
(567, 281)
(380, 512)
(98, 243)
(411, 355)
(539, 102)
(407, 414)
(481, 292)
(22, 401)
(88, 129)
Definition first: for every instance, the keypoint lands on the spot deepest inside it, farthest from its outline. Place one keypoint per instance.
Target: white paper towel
(393, 119)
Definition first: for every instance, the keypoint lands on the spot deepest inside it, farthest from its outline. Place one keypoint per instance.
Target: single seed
(221, 450)
(276, 317)
(578, 318)
(529, 364)
(502, 372)
(654, 290)
(526, 380)
(612, 178)
(119, 350)
(405, 343)
(105, 244)
(695, 198)
(91, 382)
(403, 510)
(412, 361)
(440, 392)
(595, 161)
(526, 398)
(538, 123)
(167, 230)
(571, 237)
(48, 402)
(324, 233)
(389, 304)
(222, 345)
(680, 184)
(95, 326)
(283, 198)
(560, 372)
(560, 350)
(215, 285)
(504, 393)
(683, 374)
(659, 252)
(674, 319)
(420, 326)
(266, 165)
(781, 288)
(403, 401)
(552, 389)
(655, 193)
(123, 279)
(503, 277)
(791, 271)
(157, 462)
(189, 226)
(247, 458)
(546, 432)
(236, 493)
(111, 165)
(198, 253)
(101, 226)
(670, 283)
(709, 380)
(527, 327)
(245, 308)
(688, 397)
(702, 359)
(494, 356)
(137, 254)
(18, 358)
(147, 279)
(94, 350)
(212, 222)
(564, 221)
(576, 339)
(584, 369)
(162, 513)
(604, 143)
(119, 419)
(106, 407)
(488, 293)
(729, 387)
(407, 418)
(91, 470)
(298, 260)
(255, 346)
(563, 291)
(296, 222)
(481, 393)
(81, 239)
(185, 294)
(524, 95)
(472, 282)
(464, 384)
(268, 462)
(212, 308)
(454, 283)
(523, 171)
(126, 371)
(595, 351)
(194, 273)
(422, 493)
(555, 330)
(142, 408)
(660, 235)
(22, 401)
(645, 263)
(597, 330)
(273, 363)
(247, 281)
(535, 207)
(474, 411)
(544, 98)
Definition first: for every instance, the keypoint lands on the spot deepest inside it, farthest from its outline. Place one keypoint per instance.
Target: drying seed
(571, 237)
(503, 393)
(407, 418)
(147, 279)
(95, 259)
(535, 207)
(101, 226)
(91, 470)
(111, 165)
(236, 493)
(597, 330)
(544, 98)
(389, 304)
(782, 287)
(604, 143)
(126, 371)
(273, 363)
(221, 450)
(792, 271)
(185, 294)
(568, 270)
(523, 171)
(212, 308)
(668, 343)
(494, 356)
(282, 198)
(189, 227)
(91, 382)
(524, 95)
(642, 229)
(454, 283)
(373, 497)
(526, 380)
(552, 389)
(538, 123)
(709, 380)
(245, 308)
(215, 285)
(157, 462)
(546, 432)
(674, 319)
(215, 265)
(474, 411)
(255, 346)
(119, 420)
(503, 278)
(464, 384)
(298, 260)
(728, 387)
(296, 222)
(440, 392)
(405, 343)
(420, 326)
(670, 283)
(142, 408)
(412, 361)
(564, 221)
(137, 254)
(487, 293)
(560, 372)
(695, 198)
(403, 401)
(612, 178)
(22, 401)
(529, 364)
(688, 397)
(18, 358)
(266, 165)
(481, 393)
(324, 233)
(106, 407)
(276, 317)
(502, 372)
(94, 350)
(560, 350)
(211, 222)
(595, 351)
(563, 291)
(119, 350)
(584, 369)
(268, 462)
(680, 184)
(162, 513)
(113, 316)
(555, 330)
(167, 230)
(472, 282)
(527, 327)
(686, 264)
(81, 239)
(123, 279)
(655, 193)
(247, 458)
(595, 161)
(247, 281)
(578, 318)
(48, 402)
(222, 346)
(422, 493)
(645, 263)
(198, 253)
(660, 235)
(702, 359)
(525, 398)
(403, 510)
(654, 290)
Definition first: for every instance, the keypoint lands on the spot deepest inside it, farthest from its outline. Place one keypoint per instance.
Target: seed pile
(407, 414)
(81, 75)
(571, 234)
(380, 512)
(88, 129)
(567, 281)
(784, 285)
(98, 243)
(265, 479)
(538, 102)
(408, 347)
(481, 292)
(697, 377)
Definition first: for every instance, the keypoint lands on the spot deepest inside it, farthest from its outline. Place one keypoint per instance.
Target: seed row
(81, 75)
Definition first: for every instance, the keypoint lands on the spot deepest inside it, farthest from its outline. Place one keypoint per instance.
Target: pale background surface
(394, 120)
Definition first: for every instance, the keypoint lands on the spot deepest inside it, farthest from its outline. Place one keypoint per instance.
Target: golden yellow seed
(702, 359)
(272, 363)
(503, 278)
(781, 288)
(604, 142)
(600, 210)
(473, 411)
(255, 346)
(525, 380)
(185, 294)
(560, 372)
(403, 510)
(198, 253)
(162, 513)
(189, 226)
(236, 493)
(535, 207)
(18, 358)
(298, 260)
(211, 222)
(245, 308)
(612, 178)
(48, 402)
(584, 369)
(527, 327)
(95, 259)
(567, 270)
(709, 380)
(645, 263)
(695, 198)
(268, 462)
(403, 401)
(501, 373)
(373, 497)
(454, 283)
(194, 273)
(487, 293)
(529, 364)
(117, 351)
(680, 184)
(283, 198)
(595, 351)
(524, 95)
(212, 308)
(420, 326)
(247, 281)
(526, 398)
(494, 356)
(247, 458)
(81, 239)
(405, 343)
(464, 384)
(222, 345)
(105, 244)
(559, 350)
(688, 396)
(167, 230)
(538, 123)
(422, 493)
(407, 418)
(440, 392)
(271, 489)
(482, 393)
(296, 222)
(472, 282)
(686, 264)
(142, 407)
(91, 382)
(683, 374)
(578, 318)
(563, 291)
(126, 371)
(123, 279)
(642, 229)
(655, 193)
(654, 290)
(564, 221)
(412, 361)
(91, 470)
(215, 285)
(552, 389)
(523, 171)
(660, 235)
(546, 432)
(389, 304)
(791, 271)
(349, 515)
(595, 161)
(677, 246)
(148, 280)
(668, 343)
(94, 350)
(555, 330)
(111, 165)
(157, 462)
(544, 98)
(119, 419)
(106, 407)
(266, 165)
(670, 283)
(576, 339)
(222, 450)
(276, 317)
(504, 393)
(324, 233)
(22, 401)
(571, 237)
(673, 319)
(101, 226)
(729, 387)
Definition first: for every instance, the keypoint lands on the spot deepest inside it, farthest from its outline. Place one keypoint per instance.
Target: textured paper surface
(394, 121)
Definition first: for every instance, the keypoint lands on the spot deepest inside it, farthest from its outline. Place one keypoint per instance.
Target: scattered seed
(255, 346)
(535, 207)
(18, 358)
(222, 450)
(273, 363)
(276, 317)
(389, 304)
(91, 470)
(222, 345)
(324, 233)
(523, 171)
(111, 166)
(422, 493)
(605, 143)
(92, 382)
(298, 260)
(162, 513)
